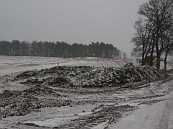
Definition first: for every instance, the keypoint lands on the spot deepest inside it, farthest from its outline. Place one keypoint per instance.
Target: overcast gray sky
(79, 21)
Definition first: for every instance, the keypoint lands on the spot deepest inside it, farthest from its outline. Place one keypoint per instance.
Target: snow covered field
(10, 64)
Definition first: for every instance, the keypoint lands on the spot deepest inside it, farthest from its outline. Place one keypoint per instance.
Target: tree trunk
(165, 63)
(157, 48)
(158, 61)
(143, 59)
(151, 55)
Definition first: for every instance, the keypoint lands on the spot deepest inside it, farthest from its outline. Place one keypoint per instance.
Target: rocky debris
(40, 91)
(59, 81)
(33, 81)
(105, 77)
(18, 106)
(26, 74)
(7, 94)
(86, 76)
(19, 103)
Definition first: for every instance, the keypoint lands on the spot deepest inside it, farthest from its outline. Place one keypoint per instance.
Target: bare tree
(141, 39)
(152, 32)
(168, 46)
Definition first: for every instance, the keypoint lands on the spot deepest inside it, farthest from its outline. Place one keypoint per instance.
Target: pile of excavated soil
(19, 103)
(41, 85)
(85, 76)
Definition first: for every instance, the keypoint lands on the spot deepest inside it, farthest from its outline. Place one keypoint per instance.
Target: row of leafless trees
(154, 32)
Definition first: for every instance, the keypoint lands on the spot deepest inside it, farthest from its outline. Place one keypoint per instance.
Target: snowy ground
(147, 111)
(10, 64)
(148, 107)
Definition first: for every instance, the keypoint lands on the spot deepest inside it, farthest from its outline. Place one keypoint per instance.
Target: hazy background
(79, 21)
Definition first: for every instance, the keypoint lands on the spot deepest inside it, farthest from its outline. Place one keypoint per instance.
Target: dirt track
(156, 116)
(166, 121)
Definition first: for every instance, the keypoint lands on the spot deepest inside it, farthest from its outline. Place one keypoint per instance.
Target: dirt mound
(112, 77)
(59, 81)
(26, 74)
(18, 106)
(40, 91)
(86, 76)
(7, 94)
(19, 103)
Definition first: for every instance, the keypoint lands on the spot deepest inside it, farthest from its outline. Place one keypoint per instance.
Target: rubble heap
(86, 76)
(19, 103)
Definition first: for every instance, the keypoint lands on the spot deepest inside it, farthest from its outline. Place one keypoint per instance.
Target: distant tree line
(57, 49)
